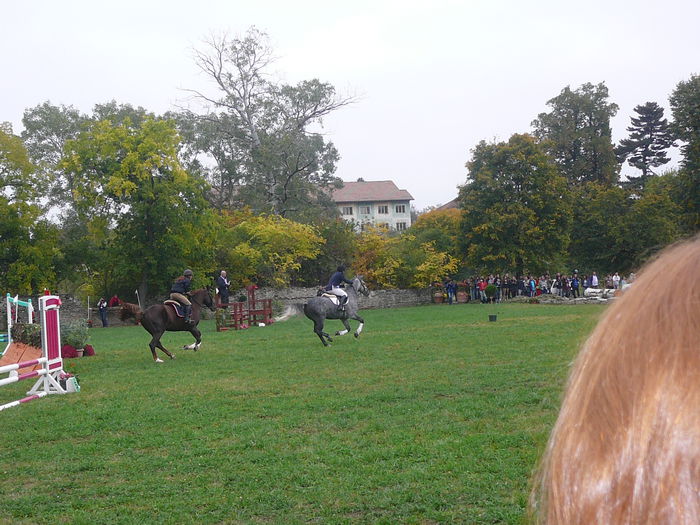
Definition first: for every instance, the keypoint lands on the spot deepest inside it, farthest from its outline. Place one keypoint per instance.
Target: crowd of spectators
(509, 286)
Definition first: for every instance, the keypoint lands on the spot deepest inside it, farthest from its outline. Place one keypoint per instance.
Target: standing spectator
(114, 301)
(102, 308)
(476, 293)
(482, 290)
(594, 280)
(531, 286)
(616, 281)
(222, 283)
(574, 286)
(451, 288)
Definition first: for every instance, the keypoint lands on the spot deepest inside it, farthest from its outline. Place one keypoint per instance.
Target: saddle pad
(332, 297)
(176, 306)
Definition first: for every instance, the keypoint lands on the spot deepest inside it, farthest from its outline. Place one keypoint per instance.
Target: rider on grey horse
(334, 286)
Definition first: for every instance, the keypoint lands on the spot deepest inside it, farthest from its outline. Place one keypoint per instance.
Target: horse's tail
(290, 311)
(130, 311)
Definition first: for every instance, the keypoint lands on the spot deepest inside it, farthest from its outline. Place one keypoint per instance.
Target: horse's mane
(130, 311)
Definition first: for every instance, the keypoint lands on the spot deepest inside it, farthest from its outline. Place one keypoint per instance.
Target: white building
(374, 202)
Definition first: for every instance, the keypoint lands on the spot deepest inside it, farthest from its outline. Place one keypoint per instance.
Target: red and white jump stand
(51, 361)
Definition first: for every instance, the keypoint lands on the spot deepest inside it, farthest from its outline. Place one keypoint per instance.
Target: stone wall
(377, 299)
(74, 310)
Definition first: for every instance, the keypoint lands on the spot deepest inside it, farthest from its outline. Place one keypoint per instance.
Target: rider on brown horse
(179, 291)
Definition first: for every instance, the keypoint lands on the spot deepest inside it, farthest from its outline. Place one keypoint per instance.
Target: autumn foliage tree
(267, 249)
(516, 208)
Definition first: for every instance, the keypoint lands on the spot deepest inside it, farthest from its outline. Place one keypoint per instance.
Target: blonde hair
(626, 445)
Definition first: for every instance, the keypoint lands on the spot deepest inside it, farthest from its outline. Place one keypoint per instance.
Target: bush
(533, 300)
(29, 334)
(75, 334)
(490, 291)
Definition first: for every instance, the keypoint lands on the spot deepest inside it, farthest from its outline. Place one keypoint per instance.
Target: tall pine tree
(649, 140)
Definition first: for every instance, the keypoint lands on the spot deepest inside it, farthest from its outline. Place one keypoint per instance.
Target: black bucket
(492, 318)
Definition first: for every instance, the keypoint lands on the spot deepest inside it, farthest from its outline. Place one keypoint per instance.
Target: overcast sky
(431, 78)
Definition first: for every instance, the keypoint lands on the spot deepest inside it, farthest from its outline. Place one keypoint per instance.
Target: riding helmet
(188, 273)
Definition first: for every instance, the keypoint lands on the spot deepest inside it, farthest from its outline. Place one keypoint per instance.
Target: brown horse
(161, 318)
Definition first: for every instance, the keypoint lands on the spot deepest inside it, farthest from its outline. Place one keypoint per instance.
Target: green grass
(434, 415)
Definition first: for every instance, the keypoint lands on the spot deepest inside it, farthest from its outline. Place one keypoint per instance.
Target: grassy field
(434, 415)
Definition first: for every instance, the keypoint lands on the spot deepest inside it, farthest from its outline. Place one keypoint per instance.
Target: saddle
(176, 306)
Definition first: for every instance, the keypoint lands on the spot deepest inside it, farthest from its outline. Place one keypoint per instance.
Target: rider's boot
(187, 311)
(341, 303)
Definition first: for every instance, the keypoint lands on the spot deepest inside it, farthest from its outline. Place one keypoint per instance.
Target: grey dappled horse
(318, 309)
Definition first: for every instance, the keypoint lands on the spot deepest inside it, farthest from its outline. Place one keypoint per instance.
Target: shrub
(75, 334)
(29, 334)
(490, 291)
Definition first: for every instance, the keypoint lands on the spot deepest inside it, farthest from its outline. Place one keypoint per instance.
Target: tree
(128, 178)
(276, 162)
(685, 107)
(340, 247)
(376, 259)
(442, 228)
(597, 236)
(516, 209)
(267, 249)
(28, 243)
(47, 128)
(651, 224)
(650, 138)
(17, 174)
(577, 134)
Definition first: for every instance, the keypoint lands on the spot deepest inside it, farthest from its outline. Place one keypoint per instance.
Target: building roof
(453, 204)
(370, 191)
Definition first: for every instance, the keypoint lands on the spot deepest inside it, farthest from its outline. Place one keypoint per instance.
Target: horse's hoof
(159, 360)
(356, 334)
(172, 356)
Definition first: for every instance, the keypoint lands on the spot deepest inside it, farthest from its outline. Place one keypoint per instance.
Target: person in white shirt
(616, 280)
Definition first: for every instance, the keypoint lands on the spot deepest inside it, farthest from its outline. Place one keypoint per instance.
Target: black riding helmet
(341, 268)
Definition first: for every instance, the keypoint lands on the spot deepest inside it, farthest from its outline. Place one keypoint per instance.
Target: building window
(400, 226)
(364, 210)
(347, 210)
(383, 210)
(400, 208)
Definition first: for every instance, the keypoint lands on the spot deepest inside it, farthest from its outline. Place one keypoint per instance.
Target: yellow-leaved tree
(436, 266)
(266, 248)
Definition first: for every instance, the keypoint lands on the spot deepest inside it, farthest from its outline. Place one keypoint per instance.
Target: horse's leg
(198, 339)
(361, 326)
(155, 343)
(347, 327)
(318, 329)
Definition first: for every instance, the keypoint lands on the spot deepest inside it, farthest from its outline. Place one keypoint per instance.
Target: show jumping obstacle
(50, 360)
(243, 315)
(14, 304)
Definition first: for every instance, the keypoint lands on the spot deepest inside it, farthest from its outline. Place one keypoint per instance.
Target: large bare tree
(262, 135)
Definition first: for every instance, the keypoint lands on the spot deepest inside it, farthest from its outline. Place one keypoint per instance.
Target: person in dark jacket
(334, 286)
(102, 307)
(179, 291)
(222, 283)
